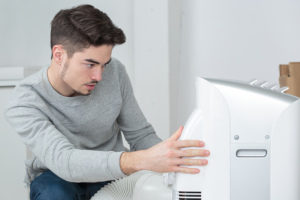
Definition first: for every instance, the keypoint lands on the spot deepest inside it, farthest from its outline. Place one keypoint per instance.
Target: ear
(58, 54)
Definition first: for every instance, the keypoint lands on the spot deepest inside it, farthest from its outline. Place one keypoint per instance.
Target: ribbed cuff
(113, 165)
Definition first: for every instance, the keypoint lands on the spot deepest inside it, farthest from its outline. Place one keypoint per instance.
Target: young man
(71, 115)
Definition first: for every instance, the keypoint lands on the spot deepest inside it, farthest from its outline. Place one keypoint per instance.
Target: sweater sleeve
(54, 150)
(136, 129)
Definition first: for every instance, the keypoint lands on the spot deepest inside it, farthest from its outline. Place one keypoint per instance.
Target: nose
(97, 74)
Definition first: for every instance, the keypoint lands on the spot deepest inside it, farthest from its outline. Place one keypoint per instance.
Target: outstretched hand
(170, 155)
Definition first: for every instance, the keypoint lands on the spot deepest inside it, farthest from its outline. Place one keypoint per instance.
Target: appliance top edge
(253, 88)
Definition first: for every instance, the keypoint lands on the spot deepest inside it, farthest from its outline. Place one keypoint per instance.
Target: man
(71, 115)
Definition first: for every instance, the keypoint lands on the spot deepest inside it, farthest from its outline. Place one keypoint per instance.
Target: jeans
(48, 186)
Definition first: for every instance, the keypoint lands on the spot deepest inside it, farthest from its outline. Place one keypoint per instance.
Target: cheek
(69, 74)
(78, 77)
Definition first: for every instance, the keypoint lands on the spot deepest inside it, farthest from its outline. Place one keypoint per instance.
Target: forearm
(93, 166)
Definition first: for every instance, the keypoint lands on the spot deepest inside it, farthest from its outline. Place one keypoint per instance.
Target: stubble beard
(76, 92)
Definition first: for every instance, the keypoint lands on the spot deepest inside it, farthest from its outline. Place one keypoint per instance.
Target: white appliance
(253, 133)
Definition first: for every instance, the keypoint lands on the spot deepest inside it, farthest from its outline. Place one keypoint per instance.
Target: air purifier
(253, 133)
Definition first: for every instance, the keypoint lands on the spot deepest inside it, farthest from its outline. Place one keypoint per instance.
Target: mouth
(90, 86)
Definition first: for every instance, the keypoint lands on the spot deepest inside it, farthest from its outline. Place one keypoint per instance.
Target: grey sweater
(79, 138)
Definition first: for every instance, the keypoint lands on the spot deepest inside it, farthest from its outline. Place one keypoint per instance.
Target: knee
(49, 191)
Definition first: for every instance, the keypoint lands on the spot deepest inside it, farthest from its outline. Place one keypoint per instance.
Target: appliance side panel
(250, 172)
(285, 159)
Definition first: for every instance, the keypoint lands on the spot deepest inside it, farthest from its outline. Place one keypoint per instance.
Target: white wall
(12, 155)
(151, 61)
(234, 39)
(25, 29)
(175, 24)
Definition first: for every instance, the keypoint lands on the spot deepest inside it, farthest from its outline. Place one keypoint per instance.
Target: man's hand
(167, 156)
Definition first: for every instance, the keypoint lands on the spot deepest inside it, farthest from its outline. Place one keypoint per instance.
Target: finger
(177, 134)
(192, 162)
(189, 143)
(193, 153)
(186, 170)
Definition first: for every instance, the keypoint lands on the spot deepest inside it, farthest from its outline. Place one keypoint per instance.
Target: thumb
(177, 134)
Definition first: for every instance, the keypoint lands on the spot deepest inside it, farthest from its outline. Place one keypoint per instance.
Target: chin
(80, 93)
(86, 93)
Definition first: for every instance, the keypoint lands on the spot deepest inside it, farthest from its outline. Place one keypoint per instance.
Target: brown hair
(82, 26)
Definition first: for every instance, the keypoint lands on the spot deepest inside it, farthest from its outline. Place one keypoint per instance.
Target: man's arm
(152, 154)
(167, 156)
(55, 151)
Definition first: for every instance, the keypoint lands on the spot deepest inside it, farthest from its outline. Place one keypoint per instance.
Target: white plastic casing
(253, 133)
(210, 123)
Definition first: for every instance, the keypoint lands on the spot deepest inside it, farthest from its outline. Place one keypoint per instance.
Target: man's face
(81, 72)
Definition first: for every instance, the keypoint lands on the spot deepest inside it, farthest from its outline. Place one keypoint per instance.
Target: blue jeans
(48, 186)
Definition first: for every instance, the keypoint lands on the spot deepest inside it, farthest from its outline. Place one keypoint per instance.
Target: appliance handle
(250, 153)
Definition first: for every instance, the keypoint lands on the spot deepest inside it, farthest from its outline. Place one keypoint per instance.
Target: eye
(90, 65)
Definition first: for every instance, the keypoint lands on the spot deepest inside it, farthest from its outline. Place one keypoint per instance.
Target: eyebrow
(96, 62)
(108, 61)
(92, 61)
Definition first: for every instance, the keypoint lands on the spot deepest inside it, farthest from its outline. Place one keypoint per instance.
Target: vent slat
(189, 195)
(189, 192)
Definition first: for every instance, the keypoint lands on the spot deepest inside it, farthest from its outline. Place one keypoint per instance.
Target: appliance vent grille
(189, 195)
